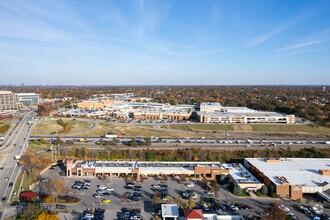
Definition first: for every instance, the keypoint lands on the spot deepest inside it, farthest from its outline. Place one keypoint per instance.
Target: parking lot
(152, 186)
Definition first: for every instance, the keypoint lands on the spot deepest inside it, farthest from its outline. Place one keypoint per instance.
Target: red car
(207, 188)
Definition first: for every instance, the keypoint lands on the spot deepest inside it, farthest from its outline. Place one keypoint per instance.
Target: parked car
(106, 200)
(102, 187)
(60, 206)
(190, 185)
(100, 191)
(205, 207)
(14, 203)
(97, 196)
(109, 189)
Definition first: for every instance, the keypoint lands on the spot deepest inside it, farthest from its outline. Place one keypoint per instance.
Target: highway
(14, 144)
(162, 142)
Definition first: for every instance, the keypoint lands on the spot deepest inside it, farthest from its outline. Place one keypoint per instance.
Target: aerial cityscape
(172, 110)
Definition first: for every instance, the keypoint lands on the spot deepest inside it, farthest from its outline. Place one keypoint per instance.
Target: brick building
(199, 170)
(291, 177)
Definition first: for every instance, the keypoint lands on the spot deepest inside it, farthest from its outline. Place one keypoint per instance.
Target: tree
(179, 201)
(275, 213)
(191, 202)
(31, 164)
(47, 216)
(115, 141)
(132, 142)
(222, 178)
(156, 200)
(169, 199)
(264, 190)
(147, 142)
(237, 190)
(31, 212)
(150, 155)
(298, 201)
(85, 153)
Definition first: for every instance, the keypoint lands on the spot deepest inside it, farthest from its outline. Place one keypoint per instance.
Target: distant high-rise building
(324, 89)
(8, 101)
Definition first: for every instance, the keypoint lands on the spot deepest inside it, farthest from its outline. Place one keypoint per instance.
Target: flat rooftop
(254, 114)
(240, 174)
(297, 171)
(145, 164)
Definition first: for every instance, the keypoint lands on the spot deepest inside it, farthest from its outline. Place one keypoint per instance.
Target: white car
(109, 189)
(156, 186)
(194, 195)
(102, 187)
(98, 196)
(210, 193)
(190, 185)
(100, 191)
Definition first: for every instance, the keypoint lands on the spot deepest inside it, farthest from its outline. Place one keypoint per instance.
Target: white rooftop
(240, 174)
(170, 210)
(297, 171)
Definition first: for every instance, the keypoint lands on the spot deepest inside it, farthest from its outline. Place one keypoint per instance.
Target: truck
(327, 142)
(18, 157)
(2, 138)
(82, 140)
(110, 136)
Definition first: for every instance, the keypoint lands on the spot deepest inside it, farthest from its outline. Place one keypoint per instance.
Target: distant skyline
(154, 42)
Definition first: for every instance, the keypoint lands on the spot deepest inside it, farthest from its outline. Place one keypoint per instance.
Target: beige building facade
(9, 101)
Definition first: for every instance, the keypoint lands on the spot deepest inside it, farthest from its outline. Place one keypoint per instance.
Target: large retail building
(291, 177)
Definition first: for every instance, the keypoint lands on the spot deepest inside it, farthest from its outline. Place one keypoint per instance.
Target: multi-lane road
(13, 145)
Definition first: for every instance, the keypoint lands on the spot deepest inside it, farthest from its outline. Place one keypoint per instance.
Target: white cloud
(263, 38)
(305, 44)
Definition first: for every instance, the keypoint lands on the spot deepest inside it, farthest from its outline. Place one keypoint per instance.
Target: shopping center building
(291, 177)
(199, 170)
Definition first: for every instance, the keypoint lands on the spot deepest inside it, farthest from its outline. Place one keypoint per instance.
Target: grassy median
(136, 131)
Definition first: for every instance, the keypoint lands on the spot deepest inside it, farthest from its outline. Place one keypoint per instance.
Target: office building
(216, 113)
(28, 99)
(8, 102)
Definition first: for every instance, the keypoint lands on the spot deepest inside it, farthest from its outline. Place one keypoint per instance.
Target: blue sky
(183, 42)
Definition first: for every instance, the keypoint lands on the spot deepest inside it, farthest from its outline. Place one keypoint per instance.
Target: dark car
(106, 194)
(38, 203)
(14, 203)
(135, 198)
(137, 194)
(4, 199)
(10, 184)
(99, 210)
(60, 206)
(124, 209)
